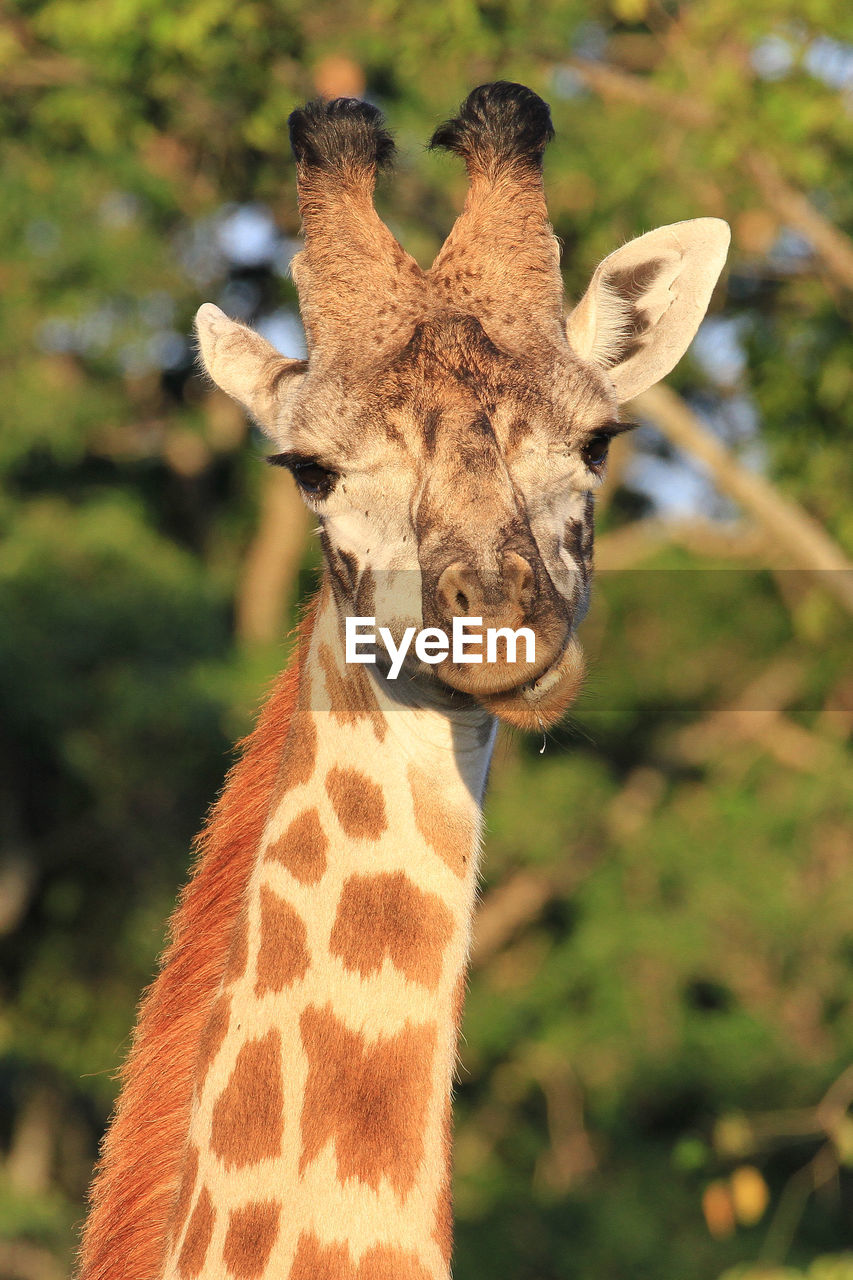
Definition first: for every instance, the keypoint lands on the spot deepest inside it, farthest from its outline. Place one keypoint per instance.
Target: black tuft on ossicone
(497, 124)
(345, 133)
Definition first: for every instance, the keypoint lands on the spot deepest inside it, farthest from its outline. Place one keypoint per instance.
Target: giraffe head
(450, 427)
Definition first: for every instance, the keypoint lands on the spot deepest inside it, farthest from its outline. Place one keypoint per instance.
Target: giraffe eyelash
(314, 479)
(594, 449)
(612, 429)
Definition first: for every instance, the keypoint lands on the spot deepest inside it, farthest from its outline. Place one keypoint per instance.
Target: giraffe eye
(594, 452)
(315, 480)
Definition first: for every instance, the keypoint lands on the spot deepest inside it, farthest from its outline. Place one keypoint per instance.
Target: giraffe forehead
(448, 387)
(452, 380)
(463, 392)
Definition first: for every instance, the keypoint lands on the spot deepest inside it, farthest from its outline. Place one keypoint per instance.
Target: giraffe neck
(319, 1137)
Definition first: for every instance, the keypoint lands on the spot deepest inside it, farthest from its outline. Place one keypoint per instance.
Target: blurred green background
(656, 1077)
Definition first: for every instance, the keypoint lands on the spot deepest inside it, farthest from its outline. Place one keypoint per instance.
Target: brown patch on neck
(384, 1262)
(238, 952)
(351, 698)
(359, 804)
(299, 761)
(316, 1261)
(197, 1240)
(302, 848)
(369, 1099)
(459, 993)
(283, 954)
(185, 1193)
(442, 1231)
(213, 1037)
(252, 1232)
(387, 914)
(448, 832)
(247, 1123)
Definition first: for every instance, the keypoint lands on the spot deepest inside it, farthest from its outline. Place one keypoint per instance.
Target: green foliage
(828, 1268)
(677, 1006)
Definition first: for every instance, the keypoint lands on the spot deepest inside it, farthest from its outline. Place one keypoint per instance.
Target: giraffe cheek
(535, 710)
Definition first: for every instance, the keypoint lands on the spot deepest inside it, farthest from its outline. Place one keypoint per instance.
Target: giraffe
(285, 1112)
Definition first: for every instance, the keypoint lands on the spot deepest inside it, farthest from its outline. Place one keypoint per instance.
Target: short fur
(501, 260)
(339, 147)
(343, 134)
(498, 124)
(137, 1181)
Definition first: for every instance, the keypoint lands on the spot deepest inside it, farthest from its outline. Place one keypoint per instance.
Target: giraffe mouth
(508, 673)
(541, 702)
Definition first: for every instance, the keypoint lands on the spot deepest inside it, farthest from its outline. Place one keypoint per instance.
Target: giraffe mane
(138, 1175)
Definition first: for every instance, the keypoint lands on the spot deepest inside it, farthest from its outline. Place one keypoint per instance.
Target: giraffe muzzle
(503, 602)
(540, 703)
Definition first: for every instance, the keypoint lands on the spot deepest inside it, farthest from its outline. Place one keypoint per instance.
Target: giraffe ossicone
(285, 1109)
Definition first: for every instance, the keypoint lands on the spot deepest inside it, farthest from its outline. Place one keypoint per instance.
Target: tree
(669, 947)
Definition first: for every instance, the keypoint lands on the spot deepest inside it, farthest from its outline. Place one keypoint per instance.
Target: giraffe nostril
(507, 596)
(459, 592)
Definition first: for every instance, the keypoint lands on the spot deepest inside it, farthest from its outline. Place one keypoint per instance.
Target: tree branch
(620, 86)
(27, 1261)
(792, 529)
(794, 209)
(832, 246)
(631, 544)
(507, 909)
(272, 561)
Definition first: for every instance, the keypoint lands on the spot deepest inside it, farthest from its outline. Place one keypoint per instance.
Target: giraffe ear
(247, 367)
(646, 301)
